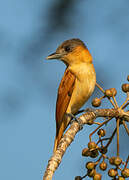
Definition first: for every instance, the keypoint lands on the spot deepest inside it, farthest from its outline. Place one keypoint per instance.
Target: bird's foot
(80, 111)
(73, 118)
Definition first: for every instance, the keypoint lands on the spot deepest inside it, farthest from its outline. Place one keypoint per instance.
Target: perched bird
(77, 84)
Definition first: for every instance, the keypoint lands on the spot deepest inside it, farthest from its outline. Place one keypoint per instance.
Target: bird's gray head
(70, 51)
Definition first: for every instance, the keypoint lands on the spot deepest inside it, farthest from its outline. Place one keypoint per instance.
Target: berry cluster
(98, 150)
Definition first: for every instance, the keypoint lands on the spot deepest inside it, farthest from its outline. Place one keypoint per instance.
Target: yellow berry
(97, 176)
(108, 93)
(121, 178)
(125, 88)
(125, 173)
(111, 160)
(128, 77)
(101, 132)
(117, 161)
(112, 172)
(103, 166)
(78, 178)
(94, 153)
(92, 145)
(111, 92)
(90, 165)
(86, 152)
(114, 91)
(96, 102)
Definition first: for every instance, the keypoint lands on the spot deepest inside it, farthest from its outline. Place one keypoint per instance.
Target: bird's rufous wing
(64, 95)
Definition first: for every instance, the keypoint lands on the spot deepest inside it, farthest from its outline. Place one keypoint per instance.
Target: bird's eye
(67, 48)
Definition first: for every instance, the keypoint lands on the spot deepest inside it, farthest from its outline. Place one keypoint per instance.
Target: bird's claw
(80, 111)
(73, 118)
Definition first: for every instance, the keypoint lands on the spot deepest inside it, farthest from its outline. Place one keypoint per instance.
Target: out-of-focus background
(29, 31)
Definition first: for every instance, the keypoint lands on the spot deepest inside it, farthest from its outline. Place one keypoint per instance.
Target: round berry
(97, 176)
(92, 145)
(101, 132)
(112, 172)
(96, 102)
(78, 178)
(111, 160)
(128, 78)
(108, 93)
(86, 152)
(90, 165)
(125, 88)
(117, 161)
(125, 172)
(103, 166)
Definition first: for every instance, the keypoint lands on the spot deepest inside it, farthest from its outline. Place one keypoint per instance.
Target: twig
(104, 139)
(115, 102)
(84, 176)
(99, 159)
(126, 162)
(125, 105)
(126, 102)
(103, 91)
(111, 138)
(125, 126)
(99, 127)
(98, 123)
(117, 125)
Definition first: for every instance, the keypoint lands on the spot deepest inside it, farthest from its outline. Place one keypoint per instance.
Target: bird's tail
(59, 134)
(60, 131)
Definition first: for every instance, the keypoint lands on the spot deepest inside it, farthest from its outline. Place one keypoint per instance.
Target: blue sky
(29, 82)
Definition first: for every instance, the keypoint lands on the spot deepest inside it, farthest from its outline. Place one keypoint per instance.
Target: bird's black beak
(54, 56)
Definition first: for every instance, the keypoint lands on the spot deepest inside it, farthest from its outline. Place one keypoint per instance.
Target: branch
(68, 137)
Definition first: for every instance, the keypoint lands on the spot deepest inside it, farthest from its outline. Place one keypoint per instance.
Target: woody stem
(118, 124)
(99, 127)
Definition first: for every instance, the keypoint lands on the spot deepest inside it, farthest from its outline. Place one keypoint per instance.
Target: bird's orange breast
(84, 86)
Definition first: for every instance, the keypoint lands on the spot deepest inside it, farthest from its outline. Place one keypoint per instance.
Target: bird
(77, 84)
